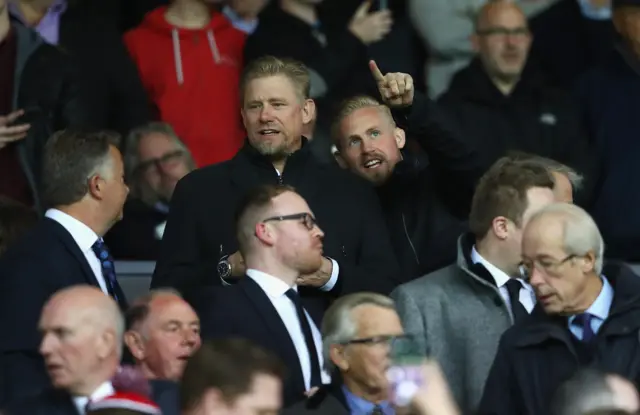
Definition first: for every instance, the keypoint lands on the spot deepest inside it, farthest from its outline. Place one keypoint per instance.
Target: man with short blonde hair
(200, 239)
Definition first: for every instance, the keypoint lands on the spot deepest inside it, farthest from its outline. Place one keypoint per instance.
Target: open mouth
(268, 132)
(372, 164)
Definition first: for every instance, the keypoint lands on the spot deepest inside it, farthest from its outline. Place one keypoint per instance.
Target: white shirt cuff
(334, 276)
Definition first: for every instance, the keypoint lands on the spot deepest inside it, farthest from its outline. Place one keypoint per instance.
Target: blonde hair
(268, 66)
(351, 105)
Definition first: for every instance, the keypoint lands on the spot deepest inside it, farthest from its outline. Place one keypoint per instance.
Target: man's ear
(338, 157)
(133, 341)
(400, 137)
(337, 353)
(500, 227)
(308, 111)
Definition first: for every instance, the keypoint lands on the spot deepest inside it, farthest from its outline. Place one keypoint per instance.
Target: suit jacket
(167, 395)
(46, 260)
(48, 402)
(329, 400)
(244, 310)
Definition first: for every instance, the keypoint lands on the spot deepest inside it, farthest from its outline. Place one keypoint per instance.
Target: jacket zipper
(280, 181)
(406, 233)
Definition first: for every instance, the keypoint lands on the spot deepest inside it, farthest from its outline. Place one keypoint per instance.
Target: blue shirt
(599, 310)
(359, 406)
(246, 26)
(594, 13)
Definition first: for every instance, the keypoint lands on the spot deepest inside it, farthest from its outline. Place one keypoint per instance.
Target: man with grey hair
(155, 159)
(588, 315)
(163, 331)
(590, 390)
(83, 186)
(82, 331)
(357, 333)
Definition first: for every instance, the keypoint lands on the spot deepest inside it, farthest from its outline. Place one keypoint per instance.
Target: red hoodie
(192, 76)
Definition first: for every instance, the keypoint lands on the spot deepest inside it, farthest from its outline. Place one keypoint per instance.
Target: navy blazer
(244, 310)
(46, 260)
(48, 402)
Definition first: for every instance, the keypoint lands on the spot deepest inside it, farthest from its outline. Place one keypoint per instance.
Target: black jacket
(535, 357)
(45, 261)
(534, 118)
(48, 402)
(244, 310)
(200, 228)
(48, 86)
(136, 236)
(328, 400)
(427, 199)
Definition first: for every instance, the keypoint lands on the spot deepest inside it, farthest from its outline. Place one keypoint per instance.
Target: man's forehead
(501, 14)
(271, 88)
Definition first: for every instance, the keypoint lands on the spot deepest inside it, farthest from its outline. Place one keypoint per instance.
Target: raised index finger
(375, 71)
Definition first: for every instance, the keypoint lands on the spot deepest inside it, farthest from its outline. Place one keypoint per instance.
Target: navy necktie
(316, 379)
(108, 267)
(584, 321)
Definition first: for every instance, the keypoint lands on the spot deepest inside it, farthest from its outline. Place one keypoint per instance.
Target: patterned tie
(377, 411)
(584, 321)
(108, 268)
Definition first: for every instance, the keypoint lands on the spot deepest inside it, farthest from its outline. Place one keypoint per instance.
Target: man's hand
(434, 398)
(238, 267)
(370, 27)
(396, 89)
(14, 133)
(318, 278)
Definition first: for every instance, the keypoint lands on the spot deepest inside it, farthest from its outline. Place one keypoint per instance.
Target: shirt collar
(499, 276)
(358, 405)
(84, 236)
(58, 7)
(104, 390)
(247, 26)
(274, 287)
(601, 307)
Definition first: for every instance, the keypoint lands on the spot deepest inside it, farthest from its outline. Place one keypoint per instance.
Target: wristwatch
(224, 267)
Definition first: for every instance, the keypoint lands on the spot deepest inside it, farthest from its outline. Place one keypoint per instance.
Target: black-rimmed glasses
(158, 162)
(306, 219)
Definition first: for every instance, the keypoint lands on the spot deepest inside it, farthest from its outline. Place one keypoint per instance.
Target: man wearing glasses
(155, 159)
(459, 312)
(502, 102)
(358, 333)
(588, 315)
(279, 240)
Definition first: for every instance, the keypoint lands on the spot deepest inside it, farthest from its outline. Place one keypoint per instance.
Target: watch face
(224, 269)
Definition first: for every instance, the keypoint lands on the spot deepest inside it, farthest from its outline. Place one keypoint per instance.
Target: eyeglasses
(545, 265)
(158, 162)
(378, 340)
(520, 32)
(306, 219)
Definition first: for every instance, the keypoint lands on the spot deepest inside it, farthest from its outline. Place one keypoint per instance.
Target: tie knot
(583, 319)
(513, 285)
(293, 295)
(100, 249)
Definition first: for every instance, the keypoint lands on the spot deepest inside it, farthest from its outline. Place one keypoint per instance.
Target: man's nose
(46, 345)
(266, 114)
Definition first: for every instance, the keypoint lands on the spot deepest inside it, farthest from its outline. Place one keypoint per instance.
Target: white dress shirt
(85, 237)
(275, 289)
(527, 296)
(104, 390)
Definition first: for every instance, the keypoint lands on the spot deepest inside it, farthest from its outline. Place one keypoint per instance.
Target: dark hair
(70, 158)
(115, 411)
(141, 307)
(252, 203)
(502, 191)
(15, 220)
(584, 391)
(228, 365)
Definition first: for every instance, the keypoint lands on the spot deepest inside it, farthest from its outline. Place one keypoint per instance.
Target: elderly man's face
(366, 362)
(560, 280)
(168, 337)
(71, 343)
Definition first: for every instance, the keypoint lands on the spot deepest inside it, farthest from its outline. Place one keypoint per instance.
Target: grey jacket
(457, 317)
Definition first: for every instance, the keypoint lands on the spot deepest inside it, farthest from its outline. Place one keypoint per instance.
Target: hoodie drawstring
(177, 56)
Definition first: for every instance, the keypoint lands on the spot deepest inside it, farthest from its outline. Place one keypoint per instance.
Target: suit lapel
(57, 402)
(276, 326)
(72, 248)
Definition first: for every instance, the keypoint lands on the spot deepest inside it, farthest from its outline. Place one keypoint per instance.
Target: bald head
(488, 12)
(82, 331)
